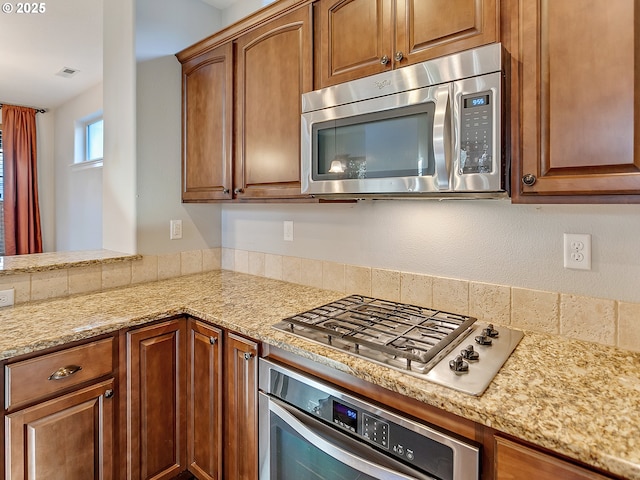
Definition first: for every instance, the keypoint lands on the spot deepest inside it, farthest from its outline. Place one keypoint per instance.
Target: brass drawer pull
(64, 372)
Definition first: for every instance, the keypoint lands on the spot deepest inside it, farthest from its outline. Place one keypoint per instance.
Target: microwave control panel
(476, 133)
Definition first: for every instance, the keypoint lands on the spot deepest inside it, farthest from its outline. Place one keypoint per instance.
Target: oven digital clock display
(345, 416)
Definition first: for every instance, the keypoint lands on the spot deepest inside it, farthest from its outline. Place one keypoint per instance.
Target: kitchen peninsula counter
(579, 399)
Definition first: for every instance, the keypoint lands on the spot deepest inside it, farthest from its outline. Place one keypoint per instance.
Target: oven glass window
(294, 458)
(366, 146)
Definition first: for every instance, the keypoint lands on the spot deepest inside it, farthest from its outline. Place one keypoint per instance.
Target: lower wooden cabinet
(191, 402)
(59, 414)
(156, 401)
(204, 400)
(67, 438)
(519, 462)
(241, 408)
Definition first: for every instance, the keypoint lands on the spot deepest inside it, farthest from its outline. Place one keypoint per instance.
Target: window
(89, 136)
(94, 140)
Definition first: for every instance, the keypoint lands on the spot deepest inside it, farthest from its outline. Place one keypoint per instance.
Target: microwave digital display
(476, 101)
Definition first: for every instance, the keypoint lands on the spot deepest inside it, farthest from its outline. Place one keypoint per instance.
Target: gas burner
(416, 340)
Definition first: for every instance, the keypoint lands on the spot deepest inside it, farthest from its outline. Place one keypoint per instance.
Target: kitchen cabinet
(70, 395)
(252, 82)
(207, 125)
(204, 400)
(574, 114)
(273, 69)
(356, 38)
(156, 403)
(519, 462)
(192, 402)
(242, 408)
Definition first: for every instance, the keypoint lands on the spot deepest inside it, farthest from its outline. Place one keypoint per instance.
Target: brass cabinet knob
(529, 179)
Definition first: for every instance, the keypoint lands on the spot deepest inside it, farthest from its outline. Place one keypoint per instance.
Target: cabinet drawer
(28, 380)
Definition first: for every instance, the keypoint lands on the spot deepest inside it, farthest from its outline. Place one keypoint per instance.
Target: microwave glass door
(391, 143)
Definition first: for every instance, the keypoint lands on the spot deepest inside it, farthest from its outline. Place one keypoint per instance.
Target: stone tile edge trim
(604, 321)
(95, 276)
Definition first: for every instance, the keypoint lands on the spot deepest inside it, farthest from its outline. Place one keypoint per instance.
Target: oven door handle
(353, 460)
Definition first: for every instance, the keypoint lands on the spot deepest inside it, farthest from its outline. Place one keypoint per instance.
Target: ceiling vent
(67, 72)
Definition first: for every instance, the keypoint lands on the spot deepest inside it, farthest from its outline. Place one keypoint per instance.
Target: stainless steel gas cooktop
(446, 348)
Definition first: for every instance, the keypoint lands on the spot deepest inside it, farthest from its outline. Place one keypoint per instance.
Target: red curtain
(21, 211)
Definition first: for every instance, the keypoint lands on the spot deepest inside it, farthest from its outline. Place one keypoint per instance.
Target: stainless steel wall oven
(310, 430)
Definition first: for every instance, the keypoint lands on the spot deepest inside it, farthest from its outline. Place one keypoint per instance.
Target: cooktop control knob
(483, 340)
(490, 331)
(469, 353)
(458, 365)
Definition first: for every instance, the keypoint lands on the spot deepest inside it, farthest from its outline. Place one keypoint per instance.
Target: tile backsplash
(604, 321)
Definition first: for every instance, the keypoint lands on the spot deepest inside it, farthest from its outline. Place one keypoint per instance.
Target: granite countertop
(42, 262)
(577, 398)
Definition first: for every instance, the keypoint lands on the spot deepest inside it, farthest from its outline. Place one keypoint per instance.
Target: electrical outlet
(577, 251)
(7, 297)
(175, 232)
(288, 230)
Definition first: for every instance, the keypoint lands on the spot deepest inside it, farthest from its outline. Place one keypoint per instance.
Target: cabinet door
(578, 107)
(274, 68)
(427, 29)
(67, 438)
(354, 39)
(517, 462)
(204, 394)
(207, 128)
(242, 408)
(156, 401)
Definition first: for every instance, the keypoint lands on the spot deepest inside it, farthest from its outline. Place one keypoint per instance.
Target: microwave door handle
(325, 445)
(441, 129)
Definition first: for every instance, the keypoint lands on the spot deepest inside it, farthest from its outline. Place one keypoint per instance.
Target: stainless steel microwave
(432, 129)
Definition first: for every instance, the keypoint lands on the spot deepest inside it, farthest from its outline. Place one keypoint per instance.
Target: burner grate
(407, 332)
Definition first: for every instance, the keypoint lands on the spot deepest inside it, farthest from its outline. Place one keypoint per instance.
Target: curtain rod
(38, 110)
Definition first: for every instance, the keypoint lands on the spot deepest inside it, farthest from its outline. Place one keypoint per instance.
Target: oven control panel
(375, 430)
(356, 419)
(390, 436)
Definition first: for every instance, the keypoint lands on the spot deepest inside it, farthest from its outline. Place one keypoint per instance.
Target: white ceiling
(220, 4)
(34, 47)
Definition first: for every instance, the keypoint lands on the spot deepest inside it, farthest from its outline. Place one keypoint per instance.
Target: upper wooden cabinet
(356, 38)
(274, 67)
(253, 82)
(575, 86)
(207, 125)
